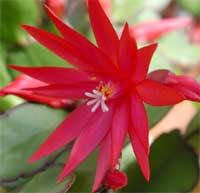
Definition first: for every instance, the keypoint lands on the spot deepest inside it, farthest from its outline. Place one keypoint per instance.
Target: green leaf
(155, 114)
(159, 61)
(122, 10)
(182, 52)
(8, 102)
(22, 129)
(193, 132)
(12, 14)
(157, 5)
(85, 175)
(45, 182)
(4, 75)
(192, 6)
(34, 55)
(77, 15)
(174, 167)
(5, 78)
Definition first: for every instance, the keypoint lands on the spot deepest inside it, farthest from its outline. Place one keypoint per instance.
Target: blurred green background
(23, 126)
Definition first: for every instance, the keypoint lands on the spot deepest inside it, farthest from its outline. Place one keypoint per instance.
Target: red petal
(71, 91)
(91, 136)
(159, 75)
(62, 48)
(127, 51)
(22, 82)
(157, 94)
(140, 121)
(104, 161)
(53, 75)
(151, 30)
(119, 130)
(65, 132)
(143, 61)
(116, 180)
(105, 34)
(91, 51)
(186, 85)
(140, 154)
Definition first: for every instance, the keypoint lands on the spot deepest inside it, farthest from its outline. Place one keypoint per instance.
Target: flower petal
(140, 153)
(143, 61)
(105, 34)
(89, 138)
(119, 130)
(70, 91)
(127, 51)
(64, 49)
(53, 75)
(151, 30)
(104, 161)
(65, 132)
(22, 82)
(188, 86)
(157, 94)
(90, 50)
(139, 121)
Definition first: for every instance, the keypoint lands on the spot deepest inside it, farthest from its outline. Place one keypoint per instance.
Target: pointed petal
(119, 130)
(53, 75)
(152, 30)
(65, 132)
(88, 140)
(127, 51)
(104, 161)
(140, 153)
(64, 49)
(139, 121)
(104, 32)
(90, 50)
(157, 94)
(70, 91)
(22, 82)
(143, 61)
(188, 86)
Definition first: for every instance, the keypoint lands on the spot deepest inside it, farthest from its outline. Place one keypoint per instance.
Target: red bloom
(152, 30)
(115, 180)
(189, 87)
(111, 78)
(22, 82)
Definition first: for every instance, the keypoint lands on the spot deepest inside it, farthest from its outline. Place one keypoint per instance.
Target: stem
(44, 167)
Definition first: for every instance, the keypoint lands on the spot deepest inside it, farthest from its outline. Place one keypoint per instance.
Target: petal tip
(31, 160)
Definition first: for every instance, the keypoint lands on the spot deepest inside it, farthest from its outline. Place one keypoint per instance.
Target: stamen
(94, 108)
(91, 102)
(99, 96)
(90, 95)
(104, 106)
(97, 100)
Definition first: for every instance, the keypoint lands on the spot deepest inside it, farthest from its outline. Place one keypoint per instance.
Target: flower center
(99, 95)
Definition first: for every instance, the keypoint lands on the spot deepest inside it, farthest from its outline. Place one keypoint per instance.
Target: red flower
(189, 87)
(111, 78)
(152, 30)
(115, 180)
(22, 82)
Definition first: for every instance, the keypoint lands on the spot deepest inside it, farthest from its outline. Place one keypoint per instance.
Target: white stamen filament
(97, 99)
